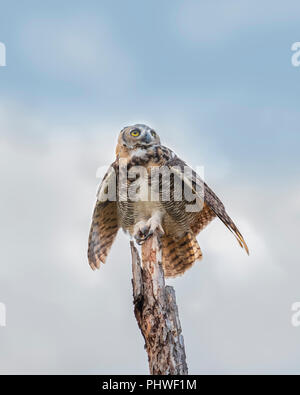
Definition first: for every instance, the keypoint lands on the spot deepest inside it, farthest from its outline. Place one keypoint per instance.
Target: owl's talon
(154, 224)
(144, 230)
(140, 232)
(142, 235)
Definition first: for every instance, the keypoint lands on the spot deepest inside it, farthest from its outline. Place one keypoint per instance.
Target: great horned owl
(139, 147)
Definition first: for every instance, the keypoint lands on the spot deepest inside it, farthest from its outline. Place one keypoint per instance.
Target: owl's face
(138, 136)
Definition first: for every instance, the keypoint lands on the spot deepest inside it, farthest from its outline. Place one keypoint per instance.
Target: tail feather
(179, 255)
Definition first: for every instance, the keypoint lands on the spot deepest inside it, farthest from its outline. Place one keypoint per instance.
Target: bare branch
(156, 311)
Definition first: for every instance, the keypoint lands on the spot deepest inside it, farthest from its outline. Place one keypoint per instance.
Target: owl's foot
(143, 230)
(154, 224)
(140, 232)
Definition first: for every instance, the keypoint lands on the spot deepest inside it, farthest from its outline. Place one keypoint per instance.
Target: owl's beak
(146, 139)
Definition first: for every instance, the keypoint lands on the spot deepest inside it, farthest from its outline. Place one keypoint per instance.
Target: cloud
(235, 310)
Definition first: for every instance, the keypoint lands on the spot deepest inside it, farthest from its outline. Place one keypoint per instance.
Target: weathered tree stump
(156, 311)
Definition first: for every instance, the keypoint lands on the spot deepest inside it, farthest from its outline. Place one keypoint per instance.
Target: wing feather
(211, 204)
(105, 224)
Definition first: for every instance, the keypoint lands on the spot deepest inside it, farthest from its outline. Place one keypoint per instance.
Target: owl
(142, 193)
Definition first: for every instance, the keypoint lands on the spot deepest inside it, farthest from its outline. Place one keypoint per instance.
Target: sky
(216, 81)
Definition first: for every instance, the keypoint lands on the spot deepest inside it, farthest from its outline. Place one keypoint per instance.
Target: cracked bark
(156, 311)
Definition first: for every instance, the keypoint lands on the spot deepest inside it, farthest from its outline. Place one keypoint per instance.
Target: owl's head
(138, 136)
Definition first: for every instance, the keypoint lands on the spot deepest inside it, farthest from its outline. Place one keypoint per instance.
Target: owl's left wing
(105, 225)
(211, 204)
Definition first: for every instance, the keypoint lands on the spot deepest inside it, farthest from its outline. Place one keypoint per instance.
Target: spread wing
(211, 205)
(105, 225)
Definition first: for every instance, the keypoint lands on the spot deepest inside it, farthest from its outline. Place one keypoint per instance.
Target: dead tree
(156, 311)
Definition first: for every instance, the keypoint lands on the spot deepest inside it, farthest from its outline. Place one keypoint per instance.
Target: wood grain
(156, 311)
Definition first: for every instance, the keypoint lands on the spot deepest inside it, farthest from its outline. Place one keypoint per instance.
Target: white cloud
(235, 310)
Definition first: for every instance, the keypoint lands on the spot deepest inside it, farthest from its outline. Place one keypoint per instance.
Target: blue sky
(215, 80)
(223, 68)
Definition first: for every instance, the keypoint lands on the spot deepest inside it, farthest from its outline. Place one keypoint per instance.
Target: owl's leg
(154, 224)
(145, 229)
(140, 231)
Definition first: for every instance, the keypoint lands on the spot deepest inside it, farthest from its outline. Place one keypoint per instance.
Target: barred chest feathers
(134, 212)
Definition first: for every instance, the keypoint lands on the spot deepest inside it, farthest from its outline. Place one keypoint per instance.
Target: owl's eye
(135, 133)
(153, 133)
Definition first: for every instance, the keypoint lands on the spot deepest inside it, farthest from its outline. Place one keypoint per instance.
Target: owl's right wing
(105, 224)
